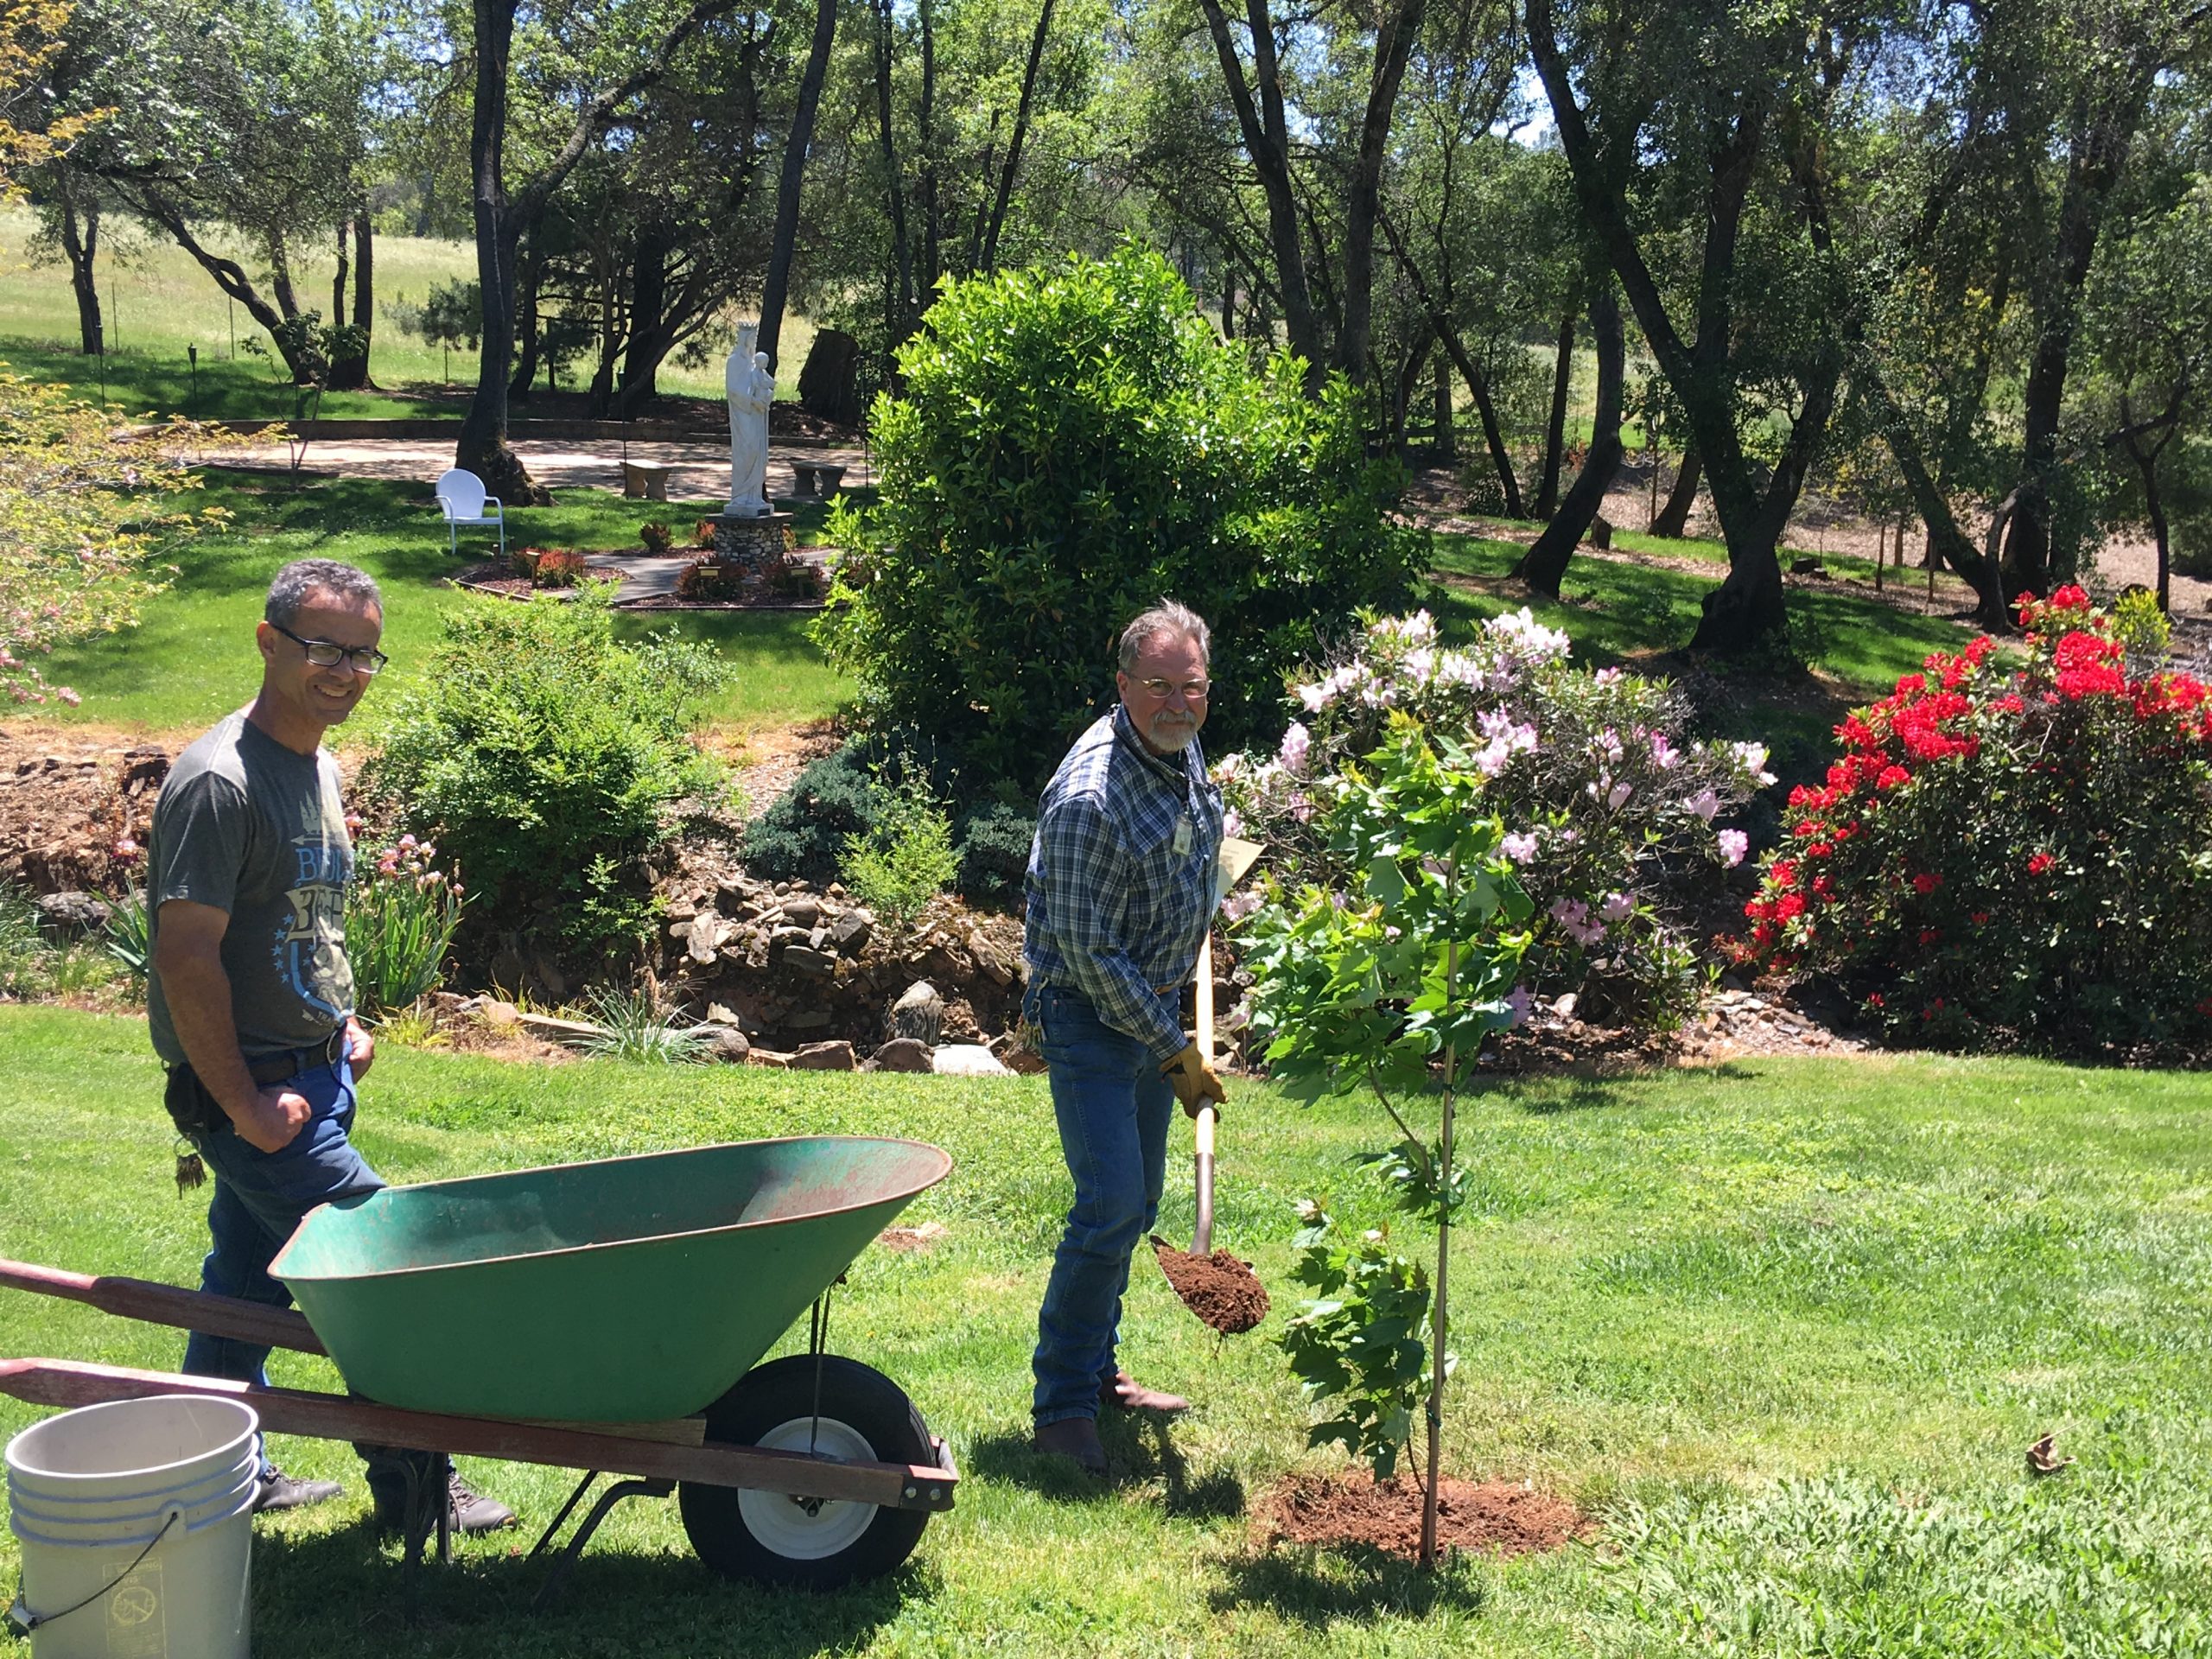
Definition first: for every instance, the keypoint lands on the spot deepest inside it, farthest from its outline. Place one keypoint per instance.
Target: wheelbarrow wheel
(775, 1538)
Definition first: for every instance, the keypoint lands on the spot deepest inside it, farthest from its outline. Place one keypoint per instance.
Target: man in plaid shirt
(1121, 892)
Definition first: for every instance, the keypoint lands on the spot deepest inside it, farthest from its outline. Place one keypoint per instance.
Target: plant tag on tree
(1236, 856)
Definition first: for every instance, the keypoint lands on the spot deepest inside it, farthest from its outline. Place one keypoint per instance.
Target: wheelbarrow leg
(574, 1498)
(608, 1500)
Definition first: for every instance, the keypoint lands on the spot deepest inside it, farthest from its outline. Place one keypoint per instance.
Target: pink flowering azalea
(1517, 1002)
(1704, 805)
(1617, 908)
(1519, 847)
(1734, 843)
(1296, 743)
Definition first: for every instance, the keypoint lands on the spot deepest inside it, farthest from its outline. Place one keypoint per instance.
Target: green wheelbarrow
(608, 1316)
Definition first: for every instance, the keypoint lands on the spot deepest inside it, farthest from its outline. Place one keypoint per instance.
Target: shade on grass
(1786, 1327)
(192, 658)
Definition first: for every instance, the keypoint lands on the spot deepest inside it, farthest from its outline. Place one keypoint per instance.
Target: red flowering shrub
(2013, 849)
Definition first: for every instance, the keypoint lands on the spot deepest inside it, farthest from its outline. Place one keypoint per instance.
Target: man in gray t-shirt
(251, 998)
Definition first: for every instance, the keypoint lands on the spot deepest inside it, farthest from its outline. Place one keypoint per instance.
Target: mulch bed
(1499, 1517)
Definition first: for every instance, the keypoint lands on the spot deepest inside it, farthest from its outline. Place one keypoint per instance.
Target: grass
(191, 659)
(1786, 1327)
(156, 302)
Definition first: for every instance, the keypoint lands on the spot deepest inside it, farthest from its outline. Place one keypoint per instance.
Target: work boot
(466, 1510)
(1075, 1438)
(279, 1491)
(1130, 1395)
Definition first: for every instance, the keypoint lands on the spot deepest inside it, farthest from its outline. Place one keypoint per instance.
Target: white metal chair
(462, 500)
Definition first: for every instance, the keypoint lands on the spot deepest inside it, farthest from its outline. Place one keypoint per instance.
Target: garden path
(700, 469)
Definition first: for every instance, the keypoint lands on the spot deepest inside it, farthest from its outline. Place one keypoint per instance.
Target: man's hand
(360, 1048)
(276, 1116)
(1194, 1080)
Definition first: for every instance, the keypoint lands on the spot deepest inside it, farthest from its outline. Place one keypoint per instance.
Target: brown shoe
(1130, 1395)
(1075, 1438)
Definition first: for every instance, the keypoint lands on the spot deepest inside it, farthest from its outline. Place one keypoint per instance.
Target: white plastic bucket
(142, 1510)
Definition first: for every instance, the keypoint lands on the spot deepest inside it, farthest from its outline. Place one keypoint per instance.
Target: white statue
(751, 386)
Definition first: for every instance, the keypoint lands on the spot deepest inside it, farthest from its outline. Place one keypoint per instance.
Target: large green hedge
(1072, 443)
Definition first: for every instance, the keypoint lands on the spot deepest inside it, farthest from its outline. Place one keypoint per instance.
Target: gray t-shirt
(252, 828)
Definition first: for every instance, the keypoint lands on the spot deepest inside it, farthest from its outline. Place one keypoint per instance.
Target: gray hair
(303, 579)
(1164, 618)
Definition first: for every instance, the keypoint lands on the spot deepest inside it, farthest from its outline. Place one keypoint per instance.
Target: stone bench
(646, 482)
(816, 478)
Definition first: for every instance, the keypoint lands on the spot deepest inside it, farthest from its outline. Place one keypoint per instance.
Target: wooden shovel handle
(1202, 1239)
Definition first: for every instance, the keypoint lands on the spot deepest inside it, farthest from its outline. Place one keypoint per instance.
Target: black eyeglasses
(329, 654)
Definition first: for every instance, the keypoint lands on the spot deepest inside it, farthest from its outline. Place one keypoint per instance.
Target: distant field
(157, 302)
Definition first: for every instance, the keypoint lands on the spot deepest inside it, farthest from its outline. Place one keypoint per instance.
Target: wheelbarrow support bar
(334, 1417)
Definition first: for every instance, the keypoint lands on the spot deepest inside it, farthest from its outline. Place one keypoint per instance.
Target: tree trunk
(2094, 166)
(337, 282)
(1672, 520)
(351, 372)
(483, 448)
(1543, 565)
(1394, 43)
(1555, 426)
(651, 337)
(1447, 438)
(1228, 305)
(528, 325)
(902, 320)
(80, 245)
(1005, 193)
(1478, 382)
(932, 221)
(1401, 397)
(1947, 542)
(792, 179)
(1266, 133)
(157, 209)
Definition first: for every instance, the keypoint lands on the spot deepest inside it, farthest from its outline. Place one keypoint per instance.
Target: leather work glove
(1194, 1081)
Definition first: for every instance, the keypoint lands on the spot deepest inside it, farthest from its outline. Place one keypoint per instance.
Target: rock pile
(72, 818)
(794, 968)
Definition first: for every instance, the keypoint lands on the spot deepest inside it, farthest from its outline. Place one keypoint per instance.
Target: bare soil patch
(1221, 1290)
(1497, 1517)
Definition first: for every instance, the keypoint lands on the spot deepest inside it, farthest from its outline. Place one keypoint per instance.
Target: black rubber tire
(857, 1396)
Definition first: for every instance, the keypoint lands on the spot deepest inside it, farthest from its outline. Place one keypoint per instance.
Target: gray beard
(1172, 736)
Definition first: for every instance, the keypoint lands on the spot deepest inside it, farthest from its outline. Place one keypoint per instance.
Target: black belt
(278, 1068)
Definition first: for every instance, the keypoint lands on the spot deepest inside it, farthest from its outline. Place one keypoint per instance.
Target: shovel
(1213, 1284)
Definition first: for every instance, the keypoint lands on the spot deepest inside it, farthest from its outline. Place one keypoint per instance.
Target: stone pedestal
(753, 544)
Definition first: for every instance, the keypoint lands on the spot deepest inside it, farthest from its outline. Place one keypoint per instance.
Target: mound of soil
(1499, 1518)
(1221, 1290)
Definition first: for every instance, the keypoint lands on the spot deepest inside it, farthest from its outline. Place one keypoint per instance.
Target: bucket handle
(22, 1621)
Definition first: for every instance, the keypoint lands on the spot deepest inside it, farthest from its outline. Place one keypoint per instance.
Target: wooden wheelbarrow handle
(154, 1304)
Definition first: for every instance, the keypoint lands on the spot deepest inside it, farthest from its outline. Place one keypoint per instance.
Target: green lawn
(1785, 1327)
(192, 659)
(157, 302)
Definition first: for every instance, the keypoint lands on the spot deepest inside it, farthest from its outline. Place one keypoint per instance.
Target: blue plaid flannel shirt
(1115, 911)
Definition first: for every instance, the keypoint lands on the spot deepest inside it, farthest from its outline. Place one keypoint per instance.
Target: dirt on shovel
(1221, 1290)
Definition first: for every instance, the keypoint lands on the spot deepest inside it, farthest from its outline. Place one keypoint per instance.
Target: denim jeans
(260, 1197)
(1113, 1107)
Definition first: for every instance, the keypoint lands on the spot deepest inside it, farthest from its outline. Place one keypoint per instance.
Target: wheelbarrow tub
(623, 1290)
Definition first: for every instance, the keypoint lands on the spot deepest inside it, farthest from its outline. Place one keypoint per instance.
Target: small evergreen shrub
(802, 836)
(994, 841)
(2012, 850)
(547, 758)
(1073, 442)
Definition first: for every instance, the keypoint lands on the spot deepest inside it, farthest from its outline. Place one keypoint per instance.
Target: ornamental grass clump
(2015, 847)
(1602, 796)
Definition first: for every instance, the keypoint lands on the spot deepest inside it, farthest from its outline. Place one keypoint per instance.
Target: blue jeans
(1113, 1107)
(260, 1197)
